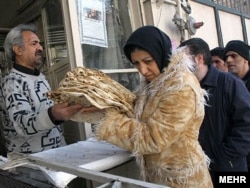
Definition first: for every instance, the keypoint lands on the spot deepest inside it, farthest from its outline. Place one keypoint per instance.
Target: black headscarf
(154, 41)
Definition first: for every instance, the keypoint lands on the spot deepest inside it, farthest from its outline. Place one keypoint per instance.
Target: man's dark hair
(198, 46)
(218, 51)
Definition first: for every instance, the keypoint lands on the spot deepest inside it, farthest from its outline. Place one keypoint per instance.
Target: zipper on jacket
(231, 164)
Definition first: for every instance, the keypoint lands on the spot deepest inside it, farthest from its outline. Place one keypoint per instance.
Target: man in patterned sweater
(31, 122)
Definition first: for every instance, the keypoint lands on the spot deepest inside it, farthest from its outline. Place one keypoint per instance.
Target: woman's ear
(17, 50)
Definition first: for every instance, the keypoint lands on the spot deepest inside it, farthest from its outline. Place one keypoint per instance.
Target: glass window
(241, 6)
(55, 34)
(55, 44)
(115, 26)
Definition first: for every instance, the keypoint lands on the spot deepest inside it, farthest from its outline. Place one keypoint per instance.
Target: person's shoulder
(228, 76)
(230, 82)
(11, 76)
(42, 75)
(7, 75)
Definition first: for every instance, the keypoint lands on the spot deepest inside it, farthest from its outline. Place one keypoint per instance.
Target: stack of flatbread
(90, 87)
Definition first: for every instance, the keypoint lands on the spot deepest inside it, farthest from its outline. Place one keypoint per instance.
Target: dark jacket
(225, 131)
(246, 80)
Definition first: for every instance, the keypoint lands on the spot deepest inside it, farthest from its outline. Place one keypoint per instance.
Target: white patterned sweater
(27, 126)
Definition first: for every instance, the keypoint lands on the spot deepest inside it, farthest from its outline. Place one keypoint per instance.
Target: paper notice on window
(92, 22)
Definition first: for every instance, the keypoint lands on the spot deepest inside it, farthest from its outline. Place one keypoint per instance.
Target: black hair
(218, 51)
(198, 46)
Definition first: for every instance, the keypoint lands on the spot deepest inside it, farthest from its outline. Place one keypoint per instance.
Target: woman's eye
(148, 61)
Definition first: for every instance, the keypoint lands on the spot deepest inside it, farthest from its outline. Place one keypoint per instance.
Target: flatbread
(90, 87)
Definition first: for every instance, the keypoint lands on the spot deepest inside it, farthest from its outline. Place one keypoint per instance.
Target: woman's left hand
(90, 109)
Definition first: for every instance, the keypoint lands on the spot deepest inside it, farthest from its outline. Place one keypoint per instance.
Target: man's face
(30, 55)
(219, 63)
(236, 64)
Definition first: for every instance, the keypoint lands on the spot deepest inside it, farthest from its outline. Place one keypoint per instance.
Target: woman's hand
(90, 109)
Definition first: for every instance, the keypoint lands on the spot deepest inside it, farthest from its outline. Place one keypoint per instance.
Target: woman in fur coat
(168, 112)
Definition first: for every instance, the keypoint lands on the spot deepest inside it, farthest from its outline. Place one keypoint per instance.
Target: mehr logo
(232, 179)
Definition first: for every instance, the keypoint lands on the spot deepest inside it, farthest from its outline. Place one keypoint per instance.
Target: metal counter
(87, 159)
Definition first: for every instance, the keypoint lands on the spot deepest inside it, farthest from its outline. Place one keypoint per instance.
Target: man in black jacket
(225, 131)
(237, 57)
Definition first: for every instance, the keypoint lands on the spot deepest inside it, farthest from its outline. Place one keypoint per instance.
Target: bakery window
(104, 26)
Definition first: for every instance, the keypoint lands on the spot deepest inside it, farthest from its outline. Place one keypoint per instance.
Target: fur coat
(163, 134)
